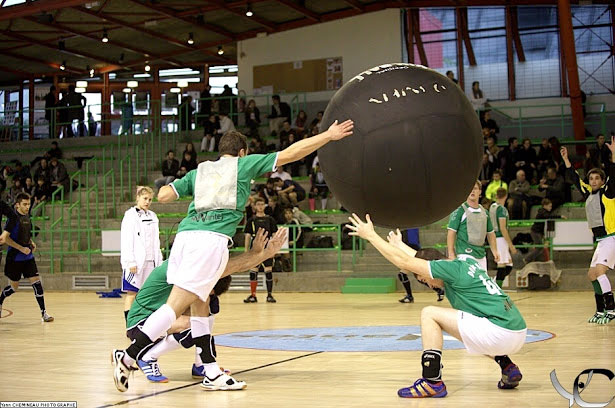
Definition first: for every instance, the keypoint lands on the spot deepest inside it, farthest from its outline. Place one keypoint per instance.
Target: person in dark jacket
(280, 112)
(170, 167)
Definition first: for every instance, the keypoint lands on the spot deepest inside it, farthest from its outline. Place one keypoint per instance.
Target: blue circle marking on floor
(361, 338)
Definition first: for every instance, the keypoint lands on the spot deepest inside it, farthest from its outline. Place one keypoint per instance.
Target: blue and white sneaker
(152, 371)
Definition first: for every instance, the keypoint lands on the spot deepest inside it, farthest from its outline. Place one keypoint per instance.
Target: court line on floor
(198, 382)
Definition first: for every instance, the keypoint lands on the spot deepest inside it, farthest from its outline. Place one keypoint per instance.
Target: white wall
(363, 42)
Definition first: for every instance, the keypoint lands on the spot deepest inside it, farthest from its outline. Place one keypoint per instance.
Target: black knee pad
(184, 338)
(38, 288)
(253, 275)
(403, 277)
(269, 276)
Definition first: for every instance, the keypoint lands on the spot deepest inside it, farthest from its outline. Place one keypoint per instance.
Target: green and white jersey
(220, 189)
(458, 222)
(152, 295)
(468, 288)
(497, 211)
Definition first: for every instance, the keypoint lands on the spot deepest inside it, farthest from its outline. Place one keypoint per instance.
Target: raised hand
(275, 243)
(339, 131)
(361, 229)
(260, 240)
(611, 147)
(394, 238)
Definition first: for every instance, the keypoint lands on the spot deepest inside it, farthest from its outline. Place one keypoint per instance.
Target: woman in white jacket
(140, 252)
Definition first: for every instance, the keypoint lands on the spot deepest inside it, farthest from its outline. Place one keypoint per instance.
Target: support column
(21, 113)
(510, 55)
(409, 37)
(568, 46)
(458, 24)
(31, 108)
(105, 126)
(156, 98)
(205, 75)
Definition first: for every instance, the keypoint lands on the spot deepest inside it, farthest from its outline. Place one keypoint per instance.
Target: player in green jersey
(482, 317)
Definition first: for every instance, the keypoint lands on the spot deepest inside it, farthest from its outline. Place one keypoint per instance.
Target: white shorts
(504, 251)
(132, 282)
(604, 253)
(481, 261)
(480, 336)
(197, 260)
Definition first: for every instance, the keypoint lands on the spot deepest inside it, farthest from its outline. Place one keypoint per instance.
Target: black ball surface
(416, 149)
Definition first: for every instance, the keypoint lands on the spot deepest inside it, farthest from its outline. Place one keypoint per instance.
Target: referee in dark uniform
(20, 257)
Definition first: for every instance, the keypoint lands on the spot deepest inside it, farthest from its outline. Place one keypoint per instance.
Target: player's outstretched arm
(302, 148)
(393, 254)
(262, 249)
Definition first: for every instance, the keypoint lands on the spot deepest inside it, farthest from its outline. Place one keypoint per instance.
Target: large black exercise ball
(416, 149)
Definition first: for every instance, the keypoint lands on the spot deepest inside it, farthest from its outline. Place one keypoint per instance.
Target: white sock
(323, 203)
(212, 370)
(199, 326)
(162, 347)
(211, 320)
(159, 322)
(197, 358)
(605, 285)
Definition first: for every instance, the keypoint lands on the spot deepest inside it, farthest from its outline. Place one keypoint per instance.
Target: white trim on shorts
(481, 261)
(504, 251)
(604, 253)
(481, 336)
(197, 261)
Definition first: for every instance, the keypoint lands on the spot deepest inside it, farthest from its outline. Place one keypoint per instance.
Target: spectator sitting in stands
(256, 146)
(43, 170)
(187, 164)
(316, 123)
(486, 172)
(451, 76)
(525, 159)
(301, 122)
(494, 185)
(28, 186)
(476, 97)
(538, 230)
(226, 124)
(554, 185)
(253, 118)
(602, 151)
(170, 167)
(487, 122)
(285, 135)
(281, 174)
(555, 146)
(55, 151)
(210, 134)
(295, 237)
(21, 172)
(493, 151)
(59, 176)
(545, 158)
(280, 111)
(15, 189)
(289, 192)
(193, 154)
(518, 197)
(487, 134)
(507, 159)
(41, 191)
(319, 186)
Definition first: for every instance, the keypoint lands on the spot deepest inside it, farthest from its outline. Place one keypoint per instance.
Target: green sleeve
(501, 212)
(446, 270)
(185, 185)
(455, 219)
(255, 165)
(489, 224)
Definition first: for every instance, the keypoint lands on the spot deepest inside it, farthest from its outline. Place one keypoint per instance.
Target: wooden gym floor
(68, 360)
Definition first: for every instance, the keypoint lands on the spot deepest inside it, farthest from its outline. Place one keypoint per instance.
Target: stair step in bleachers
(369, 285)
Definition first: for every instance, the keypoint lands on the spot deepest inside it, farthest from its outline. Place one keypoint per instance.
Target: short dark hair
(501, 193)
(54, 143)
(259, 200)
(222, 285)
(597, 171)
(232, 142)
(277, 97)
(272, 180)
(53, 88)
(546, 201)
(497, 171)
(170, 151)
(429, 254)
(511, 140)
(22, 196)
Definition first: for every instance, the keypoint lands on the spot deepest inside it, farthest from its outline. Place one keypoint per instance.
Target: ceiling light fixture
(79, 90)
(191, 38)
(127, 90)
(81, 84)
(220, 50)
(63, 65)
(105, 37)
(176, 90)
(182, 83)
(249, 12)
(91, 72)
(147, 67)
(132, 84)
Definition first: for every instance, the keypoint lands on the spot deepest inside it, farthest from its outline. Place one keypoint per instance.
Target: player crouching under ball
(483, 317)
